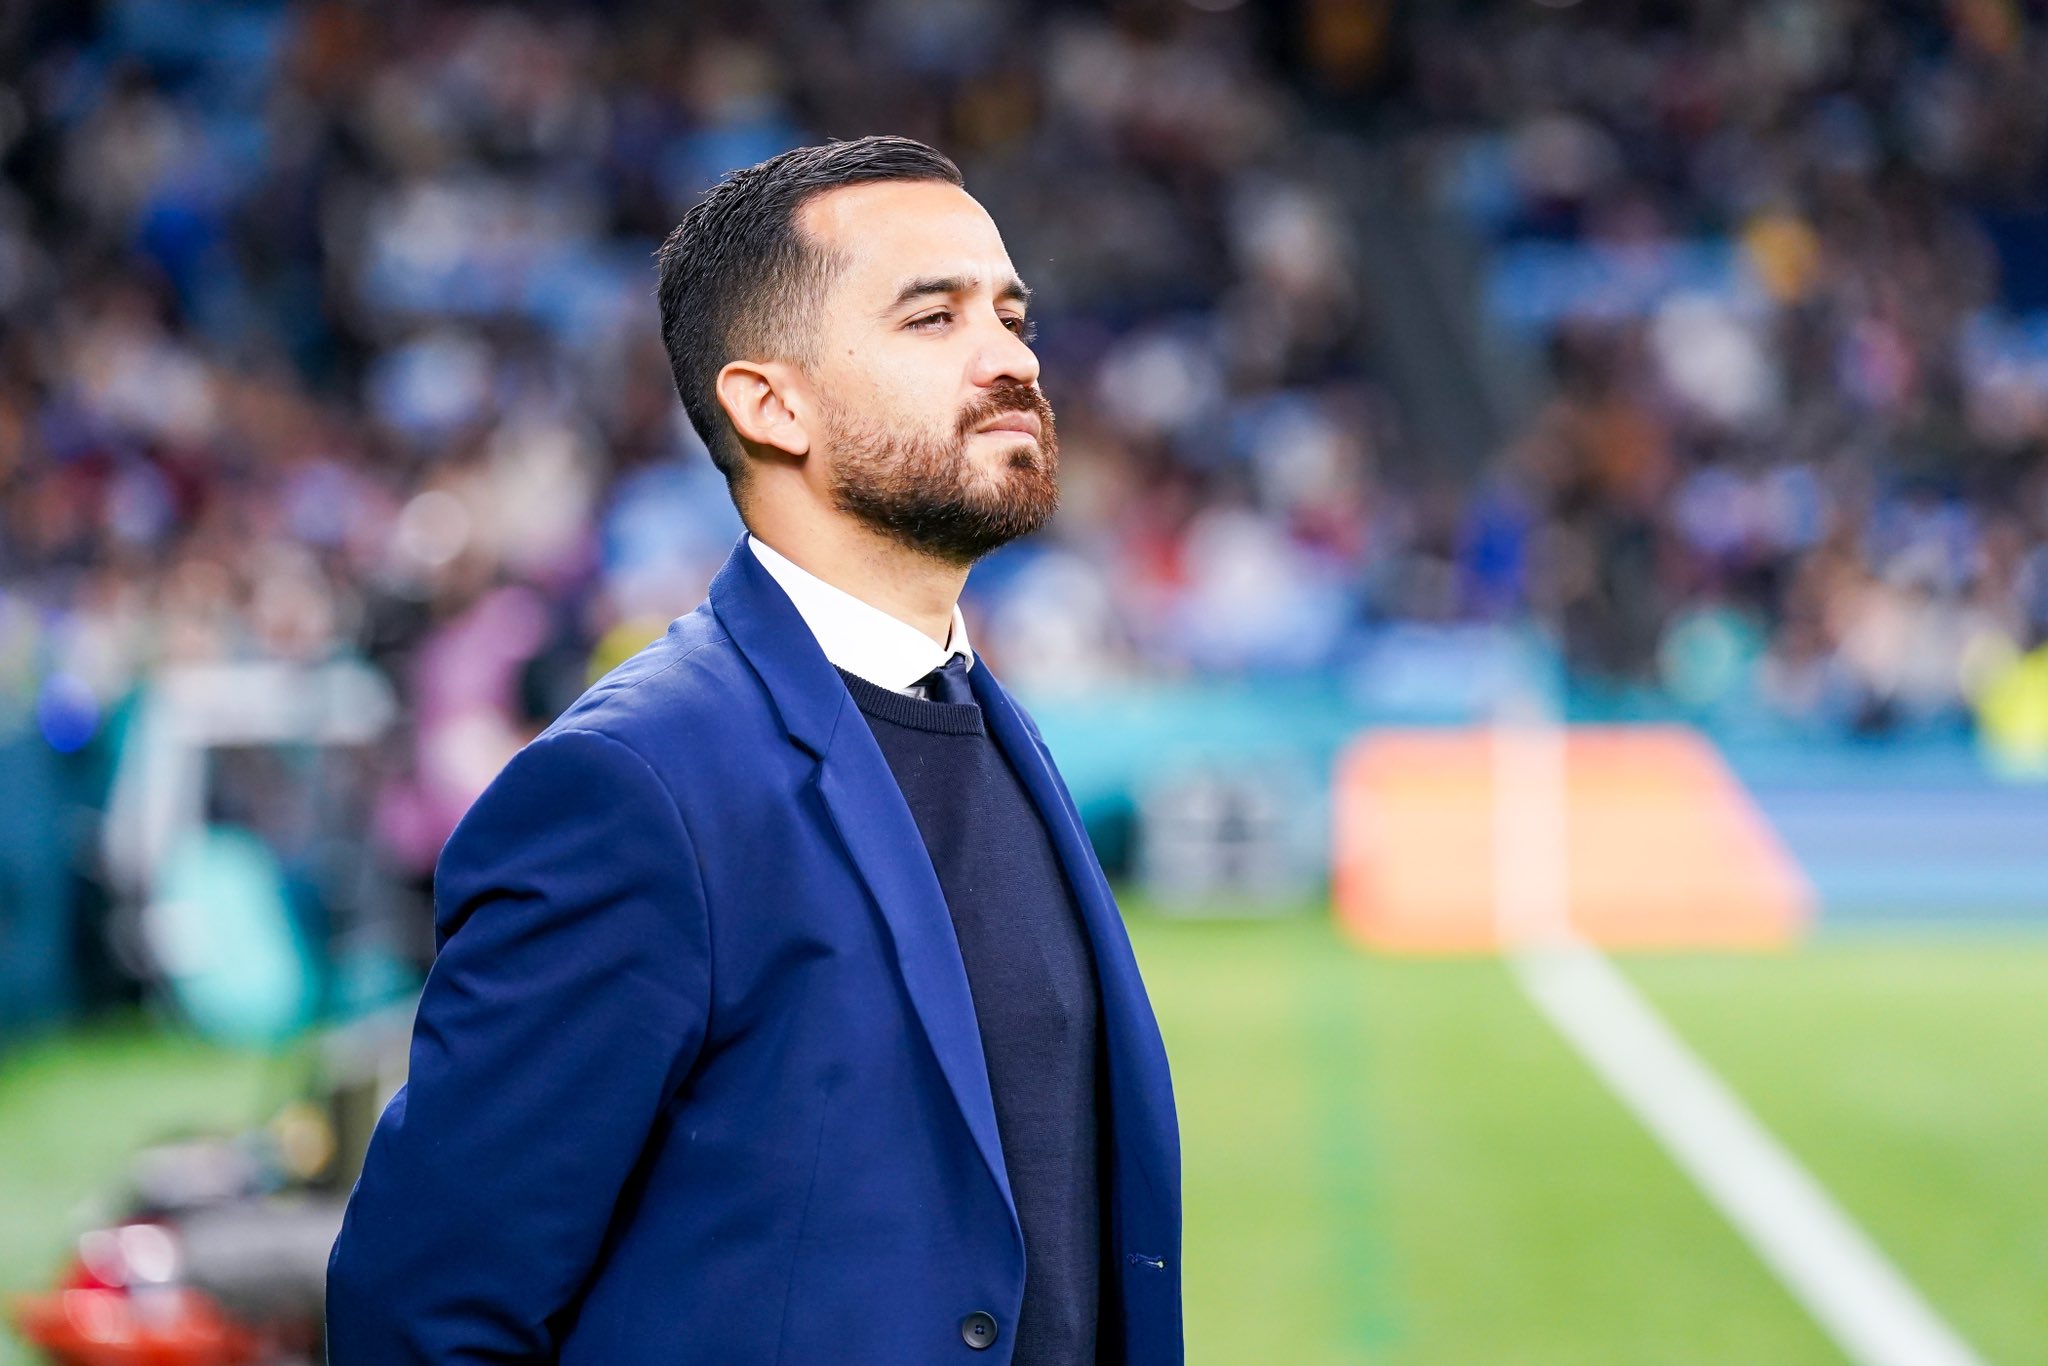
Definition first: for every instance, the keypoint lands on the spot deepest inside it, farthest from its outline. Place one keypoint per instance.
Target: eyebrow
(949, 285)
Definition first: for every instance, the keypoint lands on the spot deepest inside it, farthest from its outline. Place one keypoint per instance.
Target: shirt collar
(857, 637)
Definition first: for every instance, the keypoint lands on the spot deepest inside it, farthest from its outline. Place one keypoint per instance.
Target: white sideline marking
(1858, 1297)
(1828, 1264)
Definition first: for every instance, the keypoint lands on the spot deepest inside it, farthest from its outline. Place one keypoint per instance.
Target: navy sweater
(1032, 976)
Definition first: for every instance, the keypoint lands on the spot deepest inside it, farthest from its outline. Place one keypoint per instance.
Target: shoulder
(619, 758)
(692, 681)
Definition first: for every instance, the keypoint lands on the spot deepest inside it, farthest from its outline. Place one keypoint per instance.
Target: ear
(763, 401)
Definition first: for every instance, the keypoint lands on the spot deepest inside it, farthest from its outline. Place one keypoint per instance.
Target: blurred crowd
(327, 329)
(1788, 263)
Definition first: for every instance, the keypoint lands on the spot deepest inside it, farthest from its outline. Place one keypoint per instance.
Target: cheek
(914, 397)
(897, 385)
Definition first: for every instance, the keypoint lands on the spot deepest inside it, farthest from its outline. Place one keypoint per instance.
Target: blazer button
(978, 1330)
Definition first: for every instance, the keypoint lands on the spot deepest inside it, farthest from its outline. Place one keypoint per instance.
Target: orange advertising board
(1628, 836)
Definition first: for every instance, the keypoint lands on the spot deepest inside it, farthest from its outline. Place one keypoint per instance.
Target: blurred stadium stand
(1693, 355)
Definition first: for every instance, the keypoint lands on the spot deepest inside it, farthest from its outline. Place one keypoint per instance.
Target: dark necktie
(948, 683)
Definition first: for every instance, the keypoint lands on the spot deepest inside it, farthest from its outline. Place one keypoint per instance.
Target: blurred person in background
(782, 1010)
(322, 337)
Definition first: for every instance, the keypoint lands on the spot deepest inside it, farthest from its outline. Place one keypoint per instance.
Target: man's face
(935, 432)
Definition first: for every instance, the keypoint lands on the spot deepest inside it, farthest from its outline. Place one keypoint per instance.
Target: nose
(1003, 355)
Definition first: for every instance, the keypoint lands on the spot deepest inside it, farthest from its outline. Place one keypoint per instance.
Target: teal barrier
(37, 979)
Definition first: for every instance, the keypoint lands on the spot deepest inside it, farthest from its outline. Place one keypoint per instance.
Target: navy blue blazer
(696, 1077)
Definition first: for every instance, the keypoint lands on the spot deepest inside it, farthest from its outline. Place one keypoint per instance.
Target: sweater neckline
(914, 713)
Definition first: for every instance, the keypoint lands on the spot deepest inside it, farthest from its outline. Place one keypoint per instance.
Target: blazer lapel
(872, 818)
(874, 823)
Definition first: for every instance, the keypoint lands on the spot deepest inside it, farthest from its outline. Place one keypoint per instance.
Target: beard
(925, 491)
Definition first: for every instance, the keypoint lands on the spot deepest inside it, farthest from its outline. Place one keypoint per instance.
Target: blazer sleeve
(565, 1008)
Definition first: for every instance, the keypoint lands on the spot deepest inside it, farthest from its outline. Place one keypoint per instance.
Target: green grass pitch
(1396, 1161)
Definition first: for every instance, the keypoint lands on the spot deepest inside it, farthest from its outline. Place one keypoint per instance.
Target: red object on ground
(166, 1326)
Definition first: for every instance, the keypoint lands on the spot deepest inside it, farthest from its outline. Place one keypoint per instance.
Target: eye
(1025, 328)
(943, 315)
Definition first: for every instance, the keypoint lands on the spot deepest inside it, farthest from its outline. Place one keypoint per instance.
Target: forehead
(889, 232)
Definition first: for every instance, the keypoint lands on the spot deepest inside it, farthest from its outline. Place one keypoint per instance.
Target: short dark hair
(737, 276)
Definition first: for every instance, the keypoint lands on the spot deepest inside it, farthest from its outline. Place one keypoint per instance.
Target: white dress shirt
(861, 639)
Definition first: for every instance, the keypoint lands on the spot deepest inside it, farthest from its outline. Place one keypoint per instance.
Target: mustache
(1007, 396)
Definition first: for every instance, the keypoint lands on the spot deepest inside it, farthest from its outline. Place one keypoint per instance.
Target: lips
(1024, 423)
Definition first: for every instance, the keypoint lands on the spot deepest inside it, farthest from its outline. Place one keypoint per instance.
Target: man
(782, 1013)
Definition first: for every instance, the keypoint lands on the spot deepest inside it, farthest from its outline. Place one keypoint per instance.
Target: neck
(854, 558)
